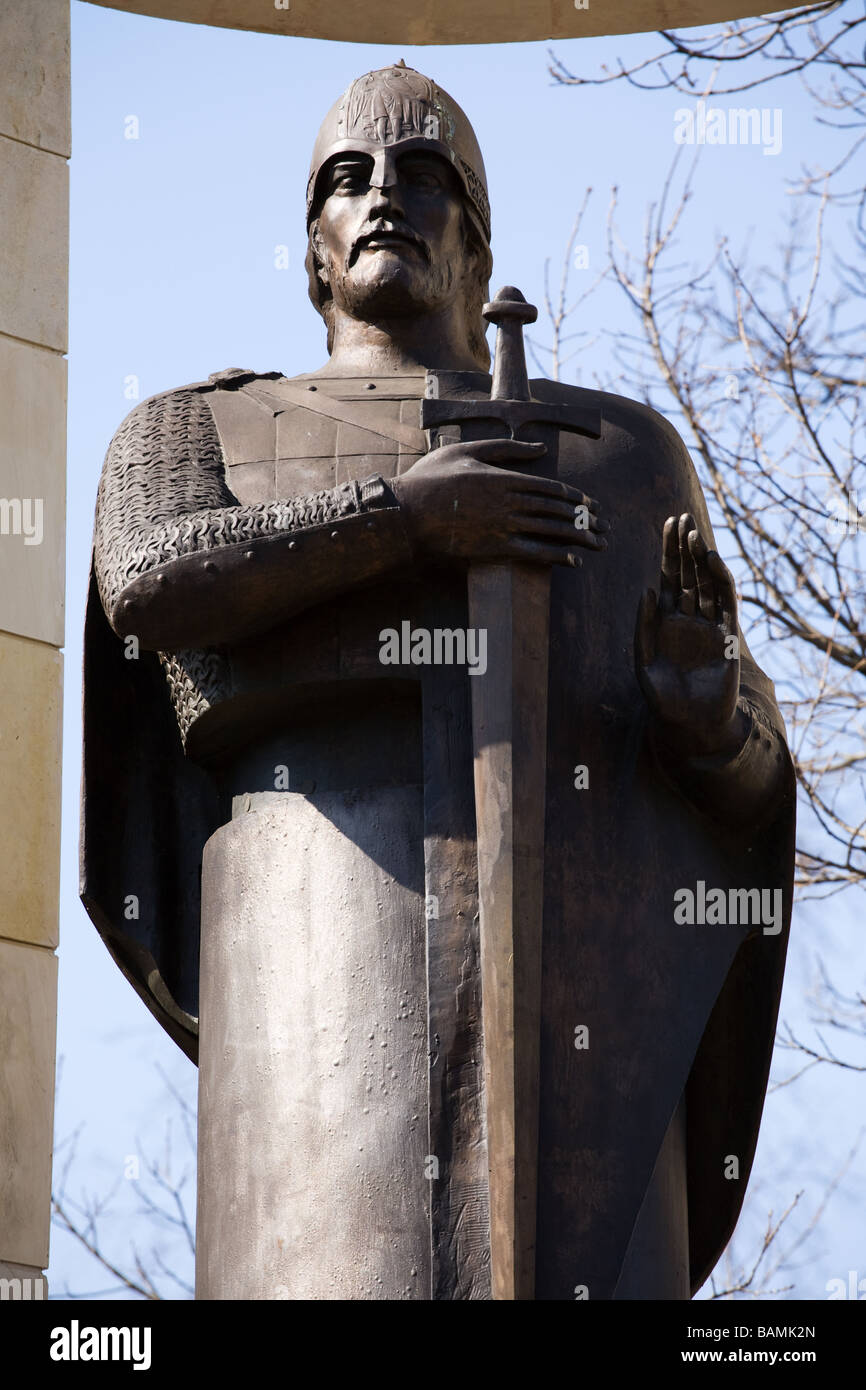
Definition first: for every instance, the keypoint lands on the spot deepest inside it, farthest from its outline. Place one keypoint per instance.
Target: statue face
(392, 242)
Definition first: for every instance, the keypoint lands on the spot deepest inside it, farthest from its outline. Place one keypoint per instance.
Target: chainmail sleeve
(163, 495)
(166, 520)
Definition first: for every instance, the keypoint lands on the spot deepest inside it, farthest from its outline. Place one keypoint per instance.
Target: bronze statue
(382, 650)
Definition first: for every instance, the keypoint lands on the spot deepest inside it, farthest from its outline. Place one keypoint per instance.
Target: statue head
(397, 211)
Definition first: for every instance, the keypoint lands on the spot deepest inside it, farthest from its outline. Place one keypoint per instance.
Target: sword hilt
(510, 402)
(509, 311)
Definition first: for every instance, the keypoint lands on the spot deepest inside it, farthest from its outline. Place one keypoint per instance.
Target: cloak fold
(140, 876)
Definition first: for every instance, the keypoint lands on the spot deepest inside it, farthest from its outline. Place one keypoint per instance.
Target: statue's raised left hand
(686, 644)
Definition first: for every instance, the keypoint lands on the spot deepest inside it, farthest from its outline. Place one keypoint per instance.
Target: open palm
(686, 644)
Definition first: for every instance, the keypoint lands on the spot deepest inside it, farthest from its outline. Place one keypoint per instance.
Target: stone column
(34, 147)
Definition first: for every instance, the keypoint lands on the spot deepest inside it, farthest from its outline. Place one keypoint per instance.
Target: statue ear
(318, 253)
(470, 262)
(476, 256)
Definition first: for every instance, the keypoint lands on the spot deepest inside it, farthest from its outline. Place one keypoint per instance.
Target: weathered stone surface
(28, 1003)
(34, 145)
(313, 1055)
(31, 676)
(440, 21)
(32, 491)
(34, 73)
(34, 244)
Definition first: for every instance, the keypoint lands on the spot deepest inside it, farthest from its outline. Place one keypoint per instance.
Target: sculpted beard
(389, 285)
(476, 288)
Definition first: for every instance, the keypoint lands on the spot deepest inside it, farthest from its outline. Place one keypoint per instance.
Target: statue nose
(386, 198)
(384, 174)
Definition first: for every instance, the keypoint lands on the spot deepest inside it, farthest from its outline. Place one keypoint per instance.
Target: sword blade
(457, 1155)
(509, 728)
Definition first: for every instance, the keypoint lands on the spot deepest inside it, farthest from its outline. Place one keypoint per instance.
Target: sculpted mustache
(375, 232)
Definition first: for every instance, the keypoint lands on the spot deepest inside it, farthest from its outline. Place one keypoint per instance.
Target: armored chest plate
(275, 446)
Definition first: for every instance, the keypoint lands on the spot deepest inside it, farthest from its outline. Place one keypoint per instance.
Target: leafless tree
(763, 369)
(161, 1185)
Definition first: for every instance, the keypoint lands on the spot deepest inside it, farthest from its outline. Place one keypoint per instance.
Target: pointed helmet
(389, 112)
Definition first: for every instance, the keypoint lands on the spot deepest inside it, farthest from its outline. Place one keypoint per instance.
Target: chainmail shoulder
(163, 494)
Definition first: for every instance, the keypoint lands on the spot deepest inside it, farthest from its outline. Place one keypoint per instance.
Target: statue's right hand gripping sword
(511, 601)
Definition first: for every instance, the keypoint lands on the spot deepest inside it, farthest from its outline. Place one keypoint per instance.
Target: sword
(511, 601)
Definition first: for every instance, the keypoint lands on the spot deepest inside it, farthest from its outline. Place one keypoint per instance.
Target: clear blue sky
(173, 277)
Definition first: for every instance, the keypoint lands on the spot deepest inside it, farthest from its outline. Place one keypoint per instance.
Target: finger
(506, 451)
(707, 606)
(534, 505)
(726, 591)
(538, 552)
(585, 520)
(688, 579)
(552, 487)
(588, 540)
(564, 531)
(558, 507)
(685, 525)
(670, 585)
(644, 629)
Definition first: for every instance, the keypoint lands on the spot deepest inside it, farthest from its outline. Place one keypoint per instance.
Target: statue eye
(422, 173)
(348, 180)
(423, 178)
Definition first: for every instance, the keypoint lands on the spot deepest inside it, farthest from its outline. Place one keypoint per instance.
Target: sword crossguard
(510, 402)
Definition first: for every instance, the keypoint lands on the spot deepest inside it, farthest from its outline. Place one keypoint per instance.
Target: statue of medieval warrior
(345, 631)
